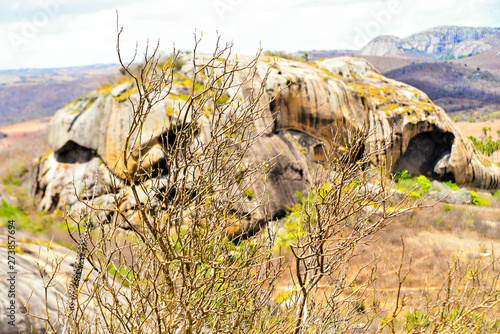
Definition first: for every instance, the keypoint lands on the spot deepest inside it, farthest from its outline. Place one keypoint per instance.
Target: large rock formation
(87, 136)
(440, 43)
(24, 282)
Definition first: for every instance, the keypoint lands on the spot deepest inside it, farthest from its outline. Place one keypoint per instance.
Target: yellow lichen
(169, 111)
(126, 95)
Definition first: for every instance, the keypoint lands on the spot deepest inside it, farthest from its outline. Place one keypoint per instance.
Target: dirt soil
(476, 128)
(24, 132)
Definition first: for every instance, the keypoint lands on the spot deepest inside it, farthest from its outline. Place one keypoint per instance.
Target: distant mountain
(34, 93)
(440, 43)
(468, 86)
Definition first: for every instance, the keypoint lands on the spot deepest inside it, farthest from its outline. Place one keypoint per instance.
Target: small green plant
(478, 199)
(122, 273)
(401, 175)
(497, 194)
(446, 208)
(453, 186)
(293, 221)
(15, 171)
(249, 194)
(416, 320)
(176, 66)
(415, 195)
(439, 221)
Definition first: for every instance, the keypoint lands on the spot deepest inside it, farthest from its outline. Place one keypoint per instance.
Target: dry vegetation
(31, 94)
(349, 258)
(466, 88)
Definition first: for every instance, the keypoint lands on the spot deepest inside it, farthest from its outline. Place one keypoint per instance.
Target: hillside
(34, 93)
(443, 43)
(467, 87)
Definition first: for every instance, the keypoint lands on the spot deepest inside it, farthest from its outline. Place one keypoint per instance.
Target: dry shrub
(180, 271)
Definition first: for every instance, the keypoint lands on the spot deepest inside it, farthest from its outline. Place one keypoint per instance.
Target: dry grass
(433, 236)
(25, 142)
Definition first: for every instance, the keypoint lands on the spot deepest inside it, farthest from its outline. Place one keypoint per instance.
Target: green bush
(439, 221)
(22, 221)
(222, 99)
(486, 146)
(478, 200)
(293, 221)
(424, 184)
(416, 186)
(415, 195)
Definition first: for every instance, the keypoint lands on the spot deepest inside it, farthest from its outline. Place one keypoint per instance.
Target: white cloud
(51, 33)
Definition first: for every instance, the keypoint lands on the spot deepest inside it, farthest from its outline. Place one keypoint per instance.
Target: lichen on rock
(308, 102)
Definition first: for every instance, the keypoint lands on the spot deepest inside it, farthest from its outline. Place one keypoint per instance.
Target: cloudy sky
(61, 33)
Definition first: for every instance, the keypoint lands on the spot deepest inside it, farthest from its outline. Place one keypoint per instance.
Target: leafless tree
(178, 269)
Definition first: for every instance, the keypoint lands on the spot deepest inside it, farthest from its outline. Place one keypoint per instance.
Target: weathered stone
(406, 127)
(461, 196)
(34, 258)
(439, 42)
(120, 89)
(27, 285)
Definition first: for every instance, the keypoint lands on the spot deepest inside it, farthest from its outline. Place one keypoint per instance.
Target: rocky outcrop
(35, 258)
(440, 43)
(444, 193)
(27, 284)
(87, 136)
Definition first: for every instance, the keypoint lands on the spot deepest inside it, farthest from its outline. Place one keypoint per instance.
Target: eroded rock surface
(26, 282)
(87, 137)
(440, 42)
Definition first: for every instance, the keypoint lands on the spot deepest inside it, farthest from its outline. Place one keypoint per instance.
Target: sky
(64, 33)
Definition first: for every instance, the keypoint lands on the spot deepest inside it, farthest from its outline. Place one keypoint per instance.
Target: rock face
(87, 136)
(443, 193)
(440, 43)
(55, 262)
(28, 281)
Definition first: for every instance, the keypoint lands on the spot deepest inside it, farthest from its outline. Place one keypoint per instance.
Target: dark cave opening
(428, 154)
(448, 177)
(72, 153)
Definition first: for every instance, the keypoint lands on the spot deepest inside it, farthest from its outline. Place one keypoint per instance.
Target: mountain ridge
(439, 43)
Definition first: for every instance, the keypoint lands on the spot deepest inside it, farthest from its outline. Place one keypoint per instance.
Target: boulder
(411, 132)
(461, 196)
(27, 282)
(33, 258)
